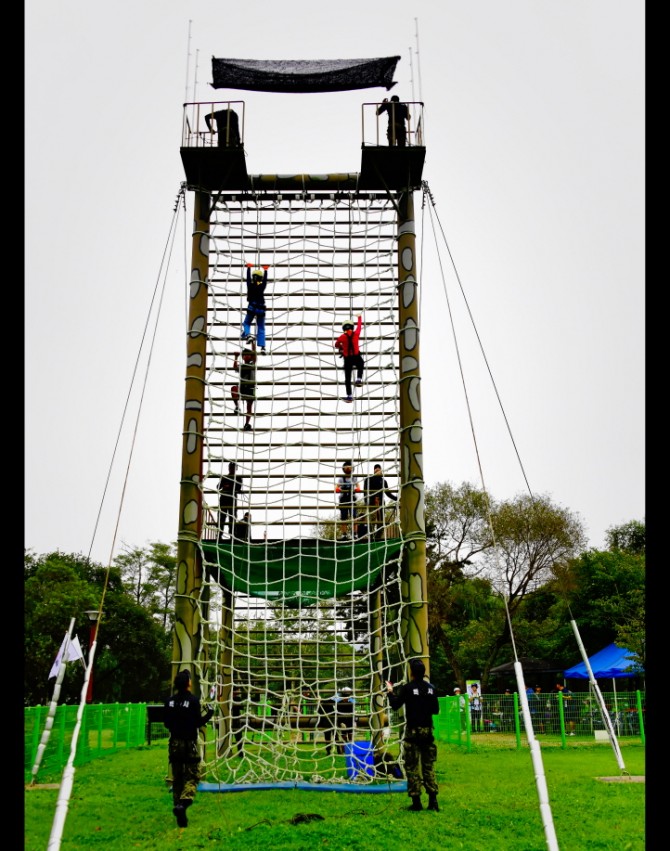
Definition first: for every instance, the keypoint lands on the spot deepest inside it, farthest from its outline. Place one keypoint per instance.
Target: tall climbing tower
(281, 614)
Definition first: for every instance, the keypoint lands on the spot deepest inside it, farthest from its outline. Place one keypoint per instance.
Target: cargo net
(301, 601)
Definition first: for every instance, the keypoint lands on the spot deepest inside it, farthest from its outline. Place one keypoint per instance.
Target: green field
(488, 799)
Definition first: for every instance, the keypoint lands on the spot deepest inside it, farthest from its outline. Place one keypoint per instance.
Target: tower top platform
(214, 158)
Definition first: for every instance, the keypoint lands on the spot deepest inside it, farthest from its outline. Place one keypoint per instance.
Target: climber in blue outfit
(256, 284)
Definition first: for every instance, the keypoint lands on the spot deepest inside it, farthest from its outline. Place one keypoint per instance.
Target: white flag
(73, 653)
(56, 665)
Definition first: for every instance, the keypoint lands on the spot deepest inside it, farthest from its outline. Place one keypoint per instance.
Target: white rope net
(296, 612)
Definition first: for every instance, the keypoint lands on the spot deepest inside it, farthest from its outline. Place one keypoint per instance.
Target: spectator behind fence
(536, 703)
(569, 708)
(461, 707)
(476, 708)
(507, 710)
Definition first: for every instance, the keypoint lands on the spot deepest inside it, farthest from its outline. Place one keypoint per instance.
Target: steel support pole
(187, 628)
(414, 621)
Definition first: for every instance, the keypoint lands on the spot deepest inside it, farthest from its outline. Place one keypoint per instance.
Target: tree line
(521, 561)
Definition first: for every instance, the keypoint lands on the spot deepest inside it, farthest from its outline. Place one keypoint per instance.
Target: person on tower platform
(227, 127)
(229, 487)
(376, 488)
(399, 116)
(347, 487)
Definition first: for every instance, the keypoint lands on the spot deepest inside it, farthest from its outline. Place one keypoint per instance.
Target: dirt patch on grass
(624, 778)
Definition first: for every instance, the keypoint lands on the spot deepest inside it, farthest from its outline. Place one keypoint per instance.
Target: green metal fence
(105, 728)
(551, 717)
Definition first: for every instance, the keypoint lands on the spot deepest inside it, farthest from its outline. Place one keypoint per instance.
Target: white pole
(188, 65)
(188, 57)
(53, 705)
(418, 57)
(68, 774)
(603, 709)
(617, 726)
(538, 766)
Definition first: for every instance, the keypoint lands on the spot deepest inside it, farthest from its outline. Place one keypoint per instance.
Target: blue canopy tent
(609, 663)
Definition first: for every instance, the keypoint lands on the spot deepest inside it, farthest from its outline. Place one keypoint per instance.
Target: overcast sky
(534, 131)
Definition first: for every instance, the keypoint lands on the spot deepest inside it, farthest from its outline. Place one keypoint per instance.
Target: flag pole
(67, 779)
(63, 653)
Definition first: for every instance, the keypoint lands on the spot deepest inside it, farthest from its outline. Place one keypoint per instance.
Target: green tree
(134, 654)
(533, 537)
(149, 575)
(630, 537)
(604, 592)
(132, 660)
(163, 573)
(459, 604)
(471, 622)
(457, 526)
(56, 589)
(133, 564)
(463, 616)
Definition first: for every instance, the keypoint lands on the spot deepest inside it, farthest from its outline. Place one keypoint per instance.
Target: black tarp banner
(308, 75)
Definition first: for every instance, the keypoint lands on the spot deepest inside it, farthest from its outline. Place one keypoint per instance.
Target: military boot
(416, 804)
(180, 814)
(432, 803)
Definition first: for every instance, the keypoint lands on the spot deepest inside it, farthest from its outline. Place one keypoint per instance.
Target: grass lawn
(488, 800)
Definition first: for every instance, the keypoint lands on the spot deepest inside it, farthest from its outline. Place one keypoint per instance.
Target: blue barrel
(359, 758)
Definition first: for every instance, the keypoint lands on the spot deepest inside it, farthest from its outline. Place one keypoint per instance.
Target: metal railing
(385, 123)
(212, 124)
(105, 728)
(551, 716)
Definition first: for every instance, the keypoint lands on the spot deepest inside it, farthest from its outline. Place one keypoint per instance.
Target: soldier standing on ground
(183, 717)
(419, 698)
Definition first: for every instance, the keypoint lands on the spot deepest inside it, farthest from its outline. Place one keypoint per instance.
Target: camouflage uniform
(419, 698)
(184, 757)
(183, 717)
(420, 753)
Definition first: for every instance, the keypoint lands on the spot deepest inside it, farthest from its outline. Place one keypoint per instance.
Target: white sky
(534, 120)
